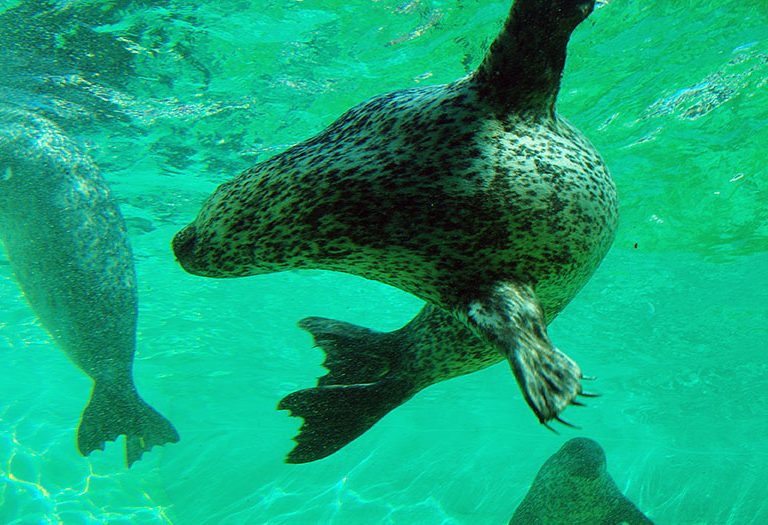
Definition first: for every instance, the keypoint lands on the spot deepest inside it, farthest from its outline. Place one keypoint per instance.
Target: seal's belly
(539, 205)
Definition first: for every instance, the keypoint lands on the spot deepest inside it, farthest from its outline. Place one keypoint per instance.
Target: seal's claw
(588, 394)
(566, 423)
(550, 428)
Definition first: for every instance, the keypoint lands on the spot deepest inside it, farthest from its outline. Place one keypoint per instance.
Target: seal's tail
(111, 413)
(361, 386)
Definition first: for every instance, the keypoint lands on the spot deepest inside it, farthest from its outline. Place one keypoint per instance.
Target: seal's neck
(522, 69)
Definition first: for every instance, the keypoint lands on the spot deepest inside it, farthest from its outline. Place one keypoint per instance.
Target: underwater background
(173, 98)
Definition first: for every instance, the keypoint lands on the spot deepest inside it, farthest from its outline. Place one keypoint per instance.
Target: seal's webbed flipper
(358, 390)
(522, 69)
(511, 318)
(353, 354)
(112, 413)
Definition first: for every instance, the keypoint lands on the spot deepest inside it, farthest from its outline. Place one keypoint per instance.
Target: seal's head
(224, 239)
(184, 243)
(564, 13)
(580, 458)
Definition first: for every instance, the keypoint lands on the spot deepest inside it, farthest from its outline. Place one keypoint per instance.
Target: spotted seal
(574, 486)
(474, 196)
(68, 248)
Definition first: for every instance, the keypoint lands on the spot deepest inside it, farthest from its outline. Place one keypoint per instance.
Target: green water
(173, 98)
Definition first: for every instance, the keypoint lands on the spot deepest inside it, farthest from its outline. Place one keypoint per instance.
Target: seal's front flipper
(360, 388)
(111, 413)
(510, 317)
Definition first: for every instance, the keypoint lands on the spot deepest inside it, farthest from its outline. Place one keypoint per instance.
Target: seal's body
(475, 196)
(574, 486)
(67, 245)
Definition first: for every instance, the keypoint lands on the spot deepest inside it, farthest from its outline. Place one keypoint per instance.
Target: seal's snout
(585, 8)
(183, 245)
(577, 10)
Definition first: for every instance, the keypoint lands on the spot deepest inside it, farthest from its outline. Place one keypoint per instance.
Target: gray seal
(574, 487)
(68, 248)
(474, 196)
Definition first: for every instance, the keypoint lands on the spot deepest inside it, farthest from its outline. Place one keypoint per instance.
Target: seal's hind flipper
(337, 414)
(111, 413)
(521, 71)
(511, 318)
(359, 389)
(353, 354)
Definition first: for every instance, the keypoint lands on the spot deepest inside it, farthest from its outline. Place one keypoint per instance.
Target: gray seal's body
(68, 248)
(475, 196)
(574, 487)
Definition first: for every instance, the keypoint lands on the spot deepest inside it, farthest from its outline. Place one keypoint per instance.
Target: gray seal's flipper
(510, 317)
(573, 487)
(114, 412)
(361, 386)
